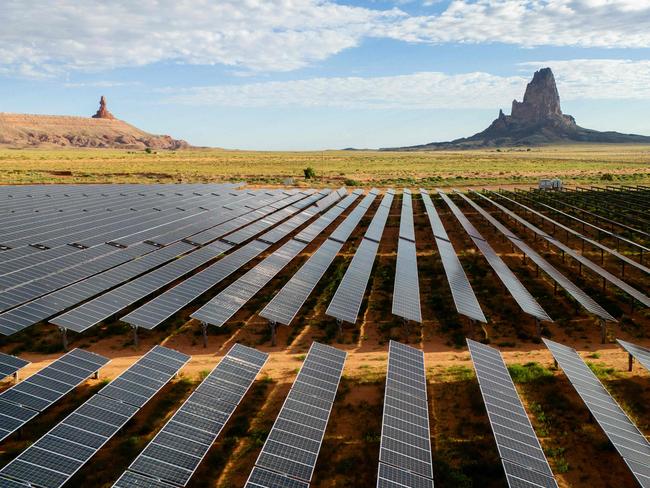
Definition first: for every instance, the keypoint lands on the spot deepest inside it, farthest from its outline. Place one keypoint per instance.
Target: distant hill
(103, 130)
(536, 121)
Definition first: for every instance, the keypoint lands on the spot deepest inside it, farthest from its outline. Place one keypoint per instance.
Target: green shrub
(309, 172)
(529, 372)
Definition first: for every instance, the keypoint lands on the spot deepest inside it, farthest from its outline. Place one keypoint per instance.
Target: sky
(323, 74)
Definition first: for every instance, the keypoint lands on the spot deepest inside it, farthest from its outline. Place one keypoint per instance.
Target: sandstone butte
(537, 120)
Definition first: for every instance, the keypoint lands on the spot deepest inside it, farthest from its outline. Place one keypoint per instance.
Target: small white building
(550, 184)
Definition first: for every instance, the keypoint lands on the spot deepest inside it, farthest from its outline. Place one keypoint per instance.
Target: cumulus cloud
(599, 78)
(47, 38)
(55, 36)
(577, 79)
(414, 91)
(582, 23)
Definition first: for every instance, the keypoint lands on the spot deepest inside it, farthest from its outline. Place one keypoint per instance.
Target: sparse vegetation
(573, 163)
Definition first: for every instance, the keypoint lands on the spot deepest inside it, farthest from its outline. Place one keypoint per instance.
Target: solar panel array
(461, 291)
(218, 310)
(177, 450)
(521, 453)
(521, 295)
(108, 304)
(286, 304)
(580, 236)
(585, 223)
(53, 459)
(580, 296)
(61, 270)
(25, 400)
(162, 307)
(46, 306)
(10, 365)
(406, 292)
(639, 353)
(599, 270)
(405, 449)
(290, 452)
(630, 443)
(347, 299)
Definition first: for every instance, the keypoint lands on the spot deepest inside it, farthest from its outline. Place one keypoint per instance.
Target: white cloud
(577, 79)
(46, 38)
(55, 36)
(102, 84)
(594, 79)
(582, 23)
(415, 91)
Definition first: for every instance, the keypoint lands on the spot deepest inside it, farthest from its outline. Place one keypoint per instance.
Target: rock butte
(537, 120)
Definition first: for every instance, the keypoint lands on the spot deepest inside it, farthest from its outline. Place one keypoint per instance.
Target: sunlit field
(573, 163)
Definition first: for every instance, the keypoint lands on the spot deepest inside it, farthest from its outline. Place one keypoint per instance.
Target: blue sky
(317, 74)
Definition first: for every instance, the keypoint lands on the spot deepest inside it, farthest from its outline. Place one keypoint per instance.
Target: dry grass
(575, 164)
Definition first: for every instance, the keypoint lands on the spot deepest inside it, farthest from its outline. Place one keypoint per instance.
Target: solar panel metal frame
(577, 234)
(641, 354)
(10, 365)
(630, 290)
(594, 394)
(497, 387)
(578, 294)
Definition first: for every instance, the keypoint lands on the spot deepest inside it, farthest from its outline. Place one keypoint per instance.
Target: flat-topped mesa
(103, 112)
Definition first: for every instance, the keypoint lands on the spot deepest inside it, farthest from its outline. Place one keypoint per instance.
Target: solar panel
(406, 292)
(286, 304)
(520, 451)
(162, 307)
(461, 290)
(309, 233)
(9, 365)
(639, 353)
(48, 305)
(25, 400)
(406, 228)
(172, 457)
(222, 307)
(90, 313)
(289, 455)
(405, 449)
(165, 305)
(392, 477)
(520, 294)
(347, 299)
(53, 459)
(580, 296)
(263, 478)
(630, 443)
(630, 290)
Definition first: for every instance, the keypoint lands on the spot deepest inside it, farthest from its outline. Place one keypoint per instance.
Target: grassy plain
(573, 163)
